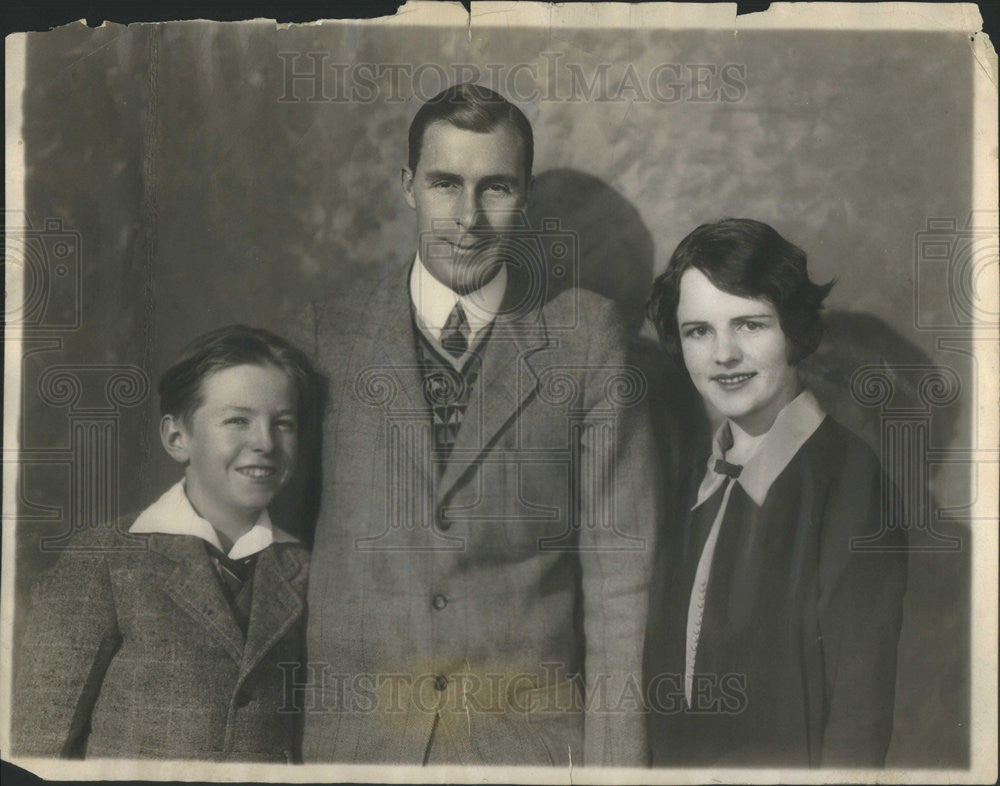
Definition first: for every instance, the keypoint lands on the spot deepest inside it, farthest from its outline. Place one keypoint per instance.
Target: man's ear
(174, 437)
(406, 181)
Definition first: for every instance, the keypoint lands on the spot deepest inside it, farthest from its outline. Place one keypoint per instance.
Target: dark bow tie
(723, 467)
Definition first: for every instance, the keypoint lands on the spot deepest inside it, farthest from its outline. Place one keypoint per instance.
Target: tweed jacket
(469, 616)
(132, 650)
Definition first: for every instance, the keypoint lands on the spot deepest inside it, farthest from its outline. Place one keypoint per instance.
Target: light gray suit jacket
(448, 613)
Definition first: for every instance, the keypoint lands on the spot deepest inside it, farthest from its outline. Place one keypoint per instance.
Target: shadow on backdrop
(615, 259)
(933, 679)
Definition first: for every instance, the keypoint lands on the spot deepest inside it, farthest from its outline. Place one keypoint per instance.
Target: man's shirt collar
(433, 301)
(173, 514)
(764, 457)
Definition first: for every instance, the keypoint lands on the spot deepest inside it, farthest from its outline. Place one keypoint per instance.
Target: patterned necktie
(237, 576)
(455, 335)
(234, 572)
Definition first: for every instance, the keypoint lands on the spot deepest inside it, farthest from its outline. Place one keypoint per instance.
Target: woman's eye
(288, 425)
(752, 327)
(237, 421)
(696, 332)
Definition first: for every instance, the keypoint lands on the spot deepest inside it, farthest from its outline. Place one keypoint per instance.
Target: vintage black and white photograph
(514, 392)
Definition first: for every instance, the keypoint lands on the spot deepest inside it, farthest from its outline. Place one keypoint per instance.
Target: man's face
(469, 189)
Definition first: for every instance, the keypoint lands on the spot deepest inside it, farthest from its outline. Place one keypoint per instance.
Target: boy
(176, 650)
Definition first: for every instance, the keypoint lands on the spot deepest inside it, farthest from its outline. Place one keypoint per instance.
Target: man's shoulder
(351, 298)
(343, 312)
(582, 305)
(366, 283)
(584, 320)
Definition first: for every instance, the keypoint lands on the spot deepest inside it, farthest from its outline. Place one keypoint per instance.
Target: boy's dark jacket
(131, 650)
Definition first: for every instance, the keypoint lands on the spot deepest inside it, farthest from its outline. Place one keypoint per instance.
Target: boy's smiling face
(239, 445)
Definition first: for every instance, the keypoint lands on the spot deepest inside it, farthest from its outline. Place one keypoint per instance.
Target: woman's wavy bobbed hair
(750, 259)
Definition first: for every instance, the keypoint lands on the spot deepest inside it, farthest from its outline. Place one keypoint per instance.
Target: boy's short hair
(180, 386)
(470, 107)
(750, 259)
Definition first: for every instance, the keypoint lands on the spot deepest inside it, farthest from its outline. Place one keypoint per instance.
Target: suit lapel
(393, 347)
(278, 586)
(386, 374)
(506, 381)
(194, 586)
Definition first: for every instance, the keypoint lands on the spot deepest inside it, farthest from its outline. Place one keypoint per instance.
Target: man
(481, 555)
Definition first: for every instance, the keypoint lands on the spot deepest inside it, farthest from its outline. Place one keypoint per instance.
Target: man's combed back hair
(470, 107)
(180, 386)
(746, 258)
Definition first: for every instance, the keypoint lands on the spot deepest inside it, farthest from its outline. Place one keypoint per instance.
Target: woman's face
(736, 352)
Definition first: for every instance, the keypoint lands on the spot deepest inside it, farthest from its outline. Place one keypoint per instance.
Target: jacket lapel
(386, 375)
(194, 586)
(278, 588)
(506, 381)
(393, 344)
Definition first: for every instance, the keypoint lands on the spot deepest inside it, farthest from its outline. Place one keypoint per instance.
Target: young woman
(772, 631)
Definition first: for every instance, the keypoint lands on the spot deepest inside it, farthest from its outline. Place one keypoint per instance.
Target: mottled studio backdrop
(194, 174)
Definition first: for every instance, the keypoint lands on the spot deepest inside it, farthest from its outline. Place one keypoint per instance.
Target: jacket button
(444, 524)
(439, 602)
(242, 698)
(440, 682)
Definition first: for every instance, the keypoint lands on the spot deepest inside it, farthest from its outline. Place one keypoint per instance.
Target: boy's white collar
(173, 514)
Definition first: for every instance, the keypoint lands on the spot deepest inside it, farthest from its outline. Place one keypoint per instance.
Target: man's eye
(752, 327)
(442, 184)
(288, 425)
(237, 421)
(498, 188)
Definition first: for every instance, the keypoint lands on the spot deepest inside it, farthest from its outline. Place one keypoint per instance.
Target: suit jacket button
(444, 524)
(439, 602)
(440, 682)
(242, 698)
